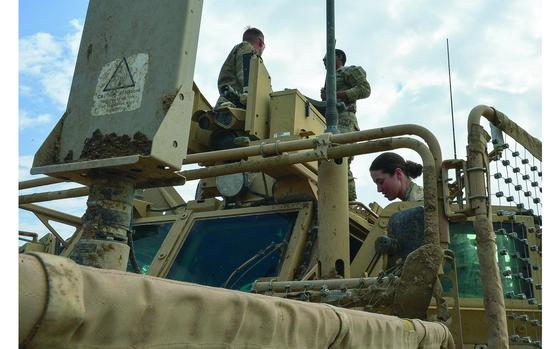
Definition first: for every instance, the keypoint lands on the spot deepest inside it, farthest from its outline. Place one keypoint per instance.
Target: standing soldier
(351, 85)
(233, 80)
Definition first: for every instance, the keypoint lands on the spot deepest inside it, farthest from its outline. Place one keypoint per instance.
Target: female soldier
(393, 174)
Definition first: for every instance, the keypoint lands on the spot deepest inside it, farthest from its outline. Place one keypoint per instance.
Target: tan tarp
(64, 305)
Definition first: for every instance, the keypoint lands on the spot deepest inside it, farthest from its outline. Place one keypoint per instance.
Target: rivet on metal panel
(162, 255)
(383, 223)
(181, 96)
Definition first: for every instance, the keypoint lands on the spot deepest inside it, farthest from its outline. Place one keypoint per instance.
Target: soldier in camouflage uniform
(351, 85)
(392, 175)
(233, 80)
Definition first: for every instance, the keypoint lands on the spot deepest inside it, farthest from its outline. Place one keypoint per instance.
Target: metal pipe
(53, 231)
(278, 147)
(431, 212)
(253, 165)
(38, 182)
(53, 195)
(477, 158)
(333, 238)
(331, 114)
(429, 173)
(308, 285)
(501, 121)
(272, 148)
(35, 236)
(340, 138)
(433, 145)
(53, 215)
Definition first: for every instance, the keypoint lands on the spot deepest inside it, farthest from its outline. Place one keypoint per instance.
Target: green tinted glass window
(514, 266)
(232, 252)
(147, 239)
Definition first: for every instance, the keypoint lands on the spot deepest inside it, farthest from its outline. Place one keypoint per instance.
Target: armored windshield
(147, 240)
(232, 252)
(515, 270)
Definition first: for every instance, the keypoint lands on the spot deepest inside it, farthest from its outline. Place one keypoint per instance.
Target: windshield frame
(177, 235)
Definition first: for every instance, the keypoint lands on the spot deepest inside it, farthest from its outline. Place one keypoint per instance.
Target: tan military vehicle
(270, 254)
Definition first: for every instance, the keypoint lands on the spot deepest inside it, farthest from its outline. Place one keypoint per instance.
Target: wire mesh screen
(516, 186)
(516, 177)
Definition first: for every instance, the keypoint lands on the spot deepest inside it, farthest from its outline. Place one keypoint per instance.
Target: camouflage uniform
(351, 80)
(233, 72)
(414, 193)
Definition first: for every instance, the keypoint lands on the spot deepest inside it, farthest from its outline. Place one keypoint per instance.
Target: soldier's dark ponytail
(413, 169)
(389, 161)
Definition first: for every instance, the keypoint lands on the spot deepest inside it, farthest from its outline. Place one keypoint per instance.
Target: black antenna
(451, 97)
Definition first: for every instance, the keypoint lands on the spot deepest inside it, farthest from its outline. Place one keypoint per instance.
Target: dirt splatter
(414, 289)
(69, 156)
(167, 100)
(100, 146)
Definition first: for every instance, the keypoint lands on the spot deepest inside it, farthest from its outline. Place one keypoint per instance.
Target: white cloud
(25, 163)
(26, 120)
(25, 90)
(50, 61)
(38, 52)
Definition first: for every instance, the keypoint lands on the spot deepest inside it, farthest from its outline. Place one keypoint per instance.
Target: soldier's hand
(323, 94)
(340, 95)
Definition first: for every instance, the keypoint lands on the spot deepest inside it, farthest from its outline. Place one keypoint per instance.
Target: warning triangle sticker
(121, 78)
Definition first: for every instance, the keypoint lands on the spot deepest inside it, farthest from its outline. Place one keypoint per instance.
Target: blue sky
(495, 60)
(49, 16)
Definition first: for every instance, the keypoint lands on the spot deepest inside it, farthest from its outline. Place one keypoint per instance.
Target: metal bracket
(322, 144)
(460, 167)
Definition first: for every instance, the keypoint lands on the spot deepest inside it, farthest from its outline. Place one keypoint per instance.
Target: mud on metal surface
(100, 146)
